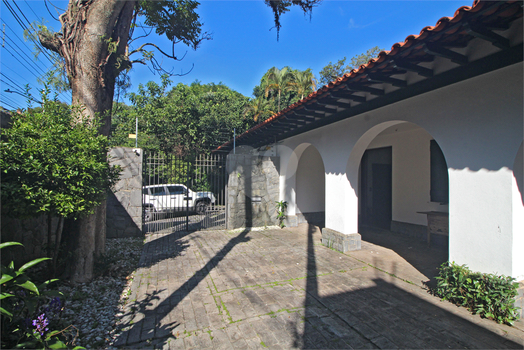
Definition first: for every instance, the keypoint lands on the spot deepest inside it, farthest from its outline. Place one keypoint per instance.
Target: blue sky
(244, 45)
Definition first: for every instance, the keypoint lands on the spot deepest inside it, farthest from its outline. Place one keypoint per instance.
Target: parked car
(174, 197)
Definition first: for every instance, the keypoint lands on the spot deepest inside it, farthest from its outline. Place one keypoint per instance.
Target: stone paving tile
(260, 290)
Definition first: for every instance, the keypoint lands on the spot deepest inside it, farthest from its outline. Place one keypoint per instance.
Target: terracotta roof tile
(396, 48)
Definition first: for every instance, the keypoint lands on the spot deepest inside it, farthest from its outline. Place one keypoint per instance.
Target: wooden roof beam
(440, 51)
(373, 77)
(425, 72)
(334, 102)
(486, 34)
(304, 112)
(347, 95)
(320, 109)
(371, 90)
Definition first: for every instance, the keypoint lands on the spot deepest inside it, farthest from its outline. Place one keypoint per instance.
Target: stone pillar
(339, 241)
(253, 190)
(124, 204)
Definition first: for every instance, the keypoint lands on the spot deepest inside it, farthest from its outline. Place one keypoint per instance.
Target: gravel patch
(95, 307)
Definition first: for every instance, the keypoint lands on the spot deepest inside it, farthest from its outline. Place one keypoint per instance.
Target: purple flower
(41, 324)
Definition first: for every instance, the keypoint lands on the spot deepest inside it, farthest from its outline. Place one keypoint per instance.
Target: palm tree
(277, 80)
(259, 108)
(302, 82)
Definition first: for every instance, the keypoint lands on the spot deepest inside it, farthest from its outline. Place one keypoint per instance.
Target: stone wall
(253, 189)
(124, 205)
(31, 232)
(124, 213)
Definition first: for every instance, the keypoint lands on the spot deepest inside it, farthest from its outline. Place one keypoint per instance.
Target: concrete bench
(438, 223)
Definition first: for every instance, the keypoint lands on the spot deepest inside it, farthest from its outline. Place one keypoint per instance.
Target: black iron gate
(184, 194)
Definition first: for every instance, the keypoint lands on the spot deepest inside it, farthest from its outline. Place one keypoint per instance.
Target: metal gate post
(187, 196)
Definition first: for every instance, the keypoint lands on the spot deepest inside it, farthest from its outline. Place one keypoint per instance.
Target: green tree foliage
(278, 89)
(302, 82)
(259, 109)
(95, 44)
(276, 81)
(184, 120)
(53, 162)
(334, 70)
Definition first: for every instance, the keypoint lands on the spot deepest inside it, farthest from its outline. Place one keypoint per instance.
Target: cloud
(352, 24)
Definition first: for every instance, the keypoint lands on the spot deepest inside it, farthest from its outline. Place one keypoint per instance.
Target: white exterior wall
(518, 214)
(478, 124)
(410, 172)
(310, 197)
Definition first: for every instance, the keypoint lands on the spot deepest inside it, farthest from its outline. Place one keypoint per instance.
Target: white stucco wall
(478, 125)
(310, 182)
(410, 172)
(518, 215)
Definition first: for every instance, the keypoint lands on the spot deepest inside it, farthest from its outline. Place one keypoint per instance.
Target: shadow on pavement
(416, 252)
(147, 317)
(382, 315)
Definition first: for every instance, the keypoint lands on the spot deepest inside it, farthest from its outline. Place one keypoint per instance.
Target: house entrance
(376, 187)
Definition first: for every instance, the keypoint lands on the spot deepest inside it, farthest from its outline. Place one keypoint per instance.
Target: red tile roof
(397, 48)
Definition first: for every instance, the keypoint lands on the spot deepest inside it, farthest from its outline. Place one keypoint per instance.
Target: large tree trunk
(93, 44)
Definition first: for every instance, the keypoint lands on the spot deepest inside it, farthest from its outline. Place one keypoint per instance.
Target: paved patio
(282, 289)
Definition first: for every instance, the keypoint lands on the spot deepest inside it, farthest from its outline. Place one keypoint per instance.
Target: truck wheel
(201, 207)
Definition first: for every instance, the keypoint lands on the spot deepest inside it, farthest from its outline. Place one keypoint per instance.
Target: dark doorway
(376, 187)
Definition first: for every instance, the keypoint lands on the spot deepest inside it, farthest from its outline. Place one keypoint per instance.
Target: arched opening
(310, 187)
(401, 178)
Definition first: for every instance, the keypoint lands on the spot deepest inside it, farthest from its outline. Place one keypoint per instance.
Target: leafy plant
(281, 213)
(54, 162)
(489, 295)
(30, 312)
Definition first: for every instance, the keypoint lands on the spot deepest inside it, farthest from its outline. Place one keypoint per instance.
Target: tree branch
(50, 41)
(141, 49)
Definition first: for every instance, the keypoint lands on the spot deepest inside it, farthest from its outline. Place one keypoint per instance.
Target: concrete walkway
(281, 289)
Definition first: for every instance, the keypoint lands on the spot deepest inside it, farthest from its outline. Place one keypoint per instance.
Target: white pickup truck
(173, 197)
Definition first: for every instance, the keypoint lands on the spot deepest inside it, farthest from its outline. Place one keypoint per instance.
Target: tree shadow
(148, 319)
(381, 314)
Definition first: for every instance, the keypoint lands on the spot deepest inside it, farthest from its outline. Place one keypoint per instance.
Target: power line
(9, 99)
(32, 64)
(20, 40)
(8, 84)
(47, 7)
(7, 104)
(24, 27)
(28, 64)
(52, 59)
(5, 76)
(27, 4)
(32, 86)
(24, 95)
(34, 30)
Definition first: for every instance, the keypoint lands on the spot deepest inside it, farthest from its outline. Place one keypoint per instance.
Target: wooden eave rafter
(423, 71)
(346, 95)
(380, 78)
(326, 101)
(486, 34)
(365, 88)
(441, 51)
(475, 68)
(303, 118)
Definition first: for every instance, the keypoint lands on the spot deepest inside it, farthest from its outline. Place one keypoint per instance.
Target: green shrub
(488, 295)
(281, 213)
(30, 314)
